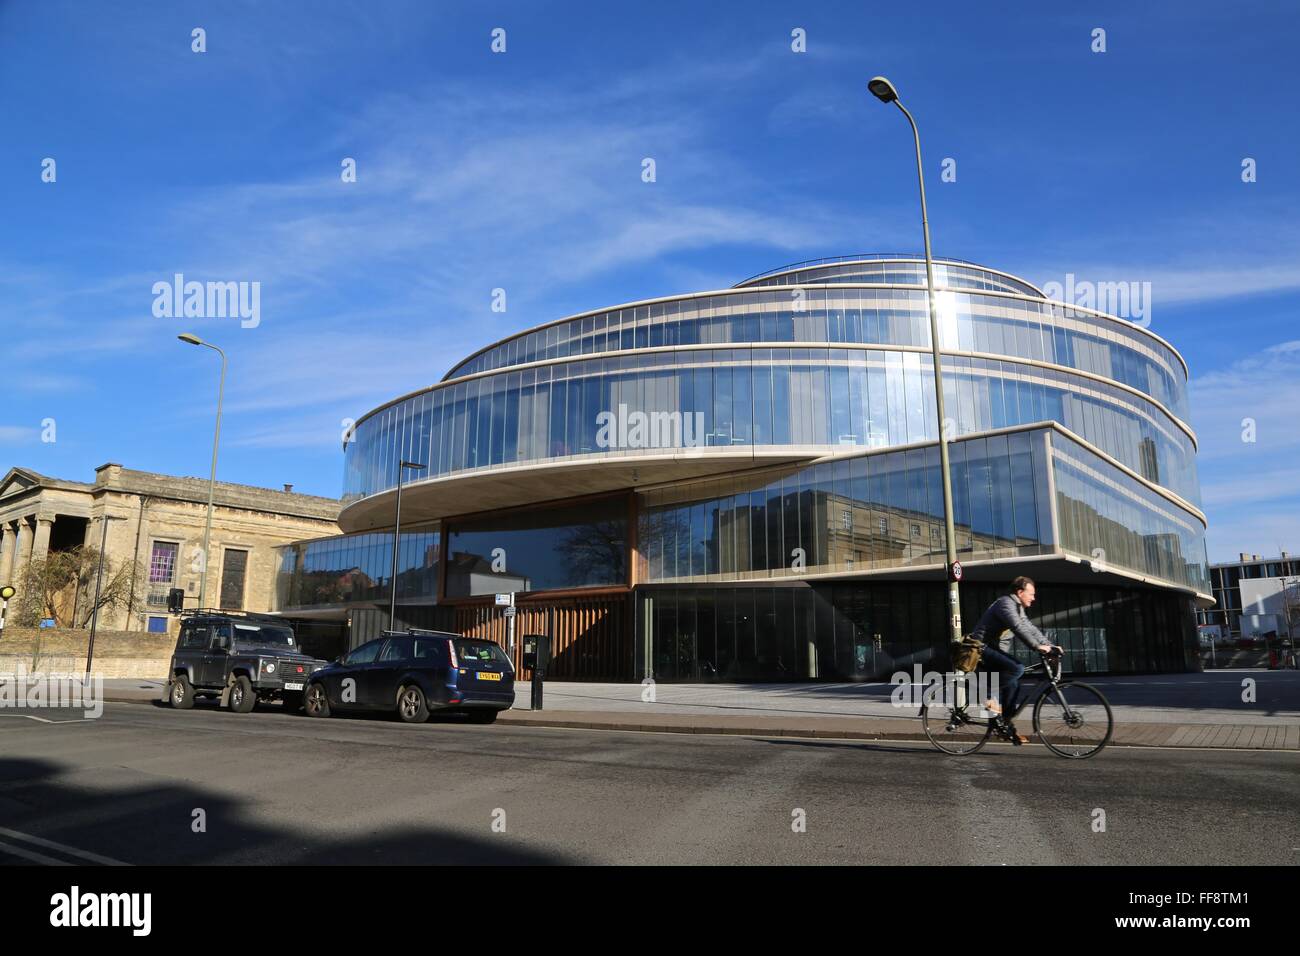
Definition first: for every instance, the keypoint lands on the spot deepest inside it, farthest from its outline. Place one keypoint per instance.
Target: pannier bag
(966, 654)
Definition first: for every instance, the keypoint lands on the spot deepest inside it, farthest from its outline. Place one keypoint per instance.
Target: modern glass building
(1274, 580)
(744, 484)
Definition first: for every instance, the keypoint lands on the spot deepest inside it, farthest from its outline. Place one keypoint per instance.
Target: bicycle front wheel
(953, 731)
(1073, 720)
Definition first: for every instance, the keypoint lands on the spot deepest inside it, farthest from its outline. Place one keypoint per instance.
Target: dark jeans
(1010, 671)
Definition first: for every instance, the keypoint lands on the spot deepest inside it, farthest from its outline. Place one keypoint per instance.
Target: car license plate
(296, 685)
(488, 675)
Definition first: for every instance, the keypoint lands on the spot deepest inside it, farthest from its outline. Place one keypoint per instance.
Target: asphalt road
(272, 788)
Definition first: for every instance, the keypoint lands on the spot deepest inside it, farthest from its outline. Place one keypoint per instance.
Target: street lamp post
(884, 91)
(397, 538)
(193, 339)
(99, 580)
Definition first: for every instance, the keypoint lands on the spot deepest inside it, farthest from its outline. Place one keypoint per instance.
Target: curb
(703, 728)
(750, 730)
(683, 724)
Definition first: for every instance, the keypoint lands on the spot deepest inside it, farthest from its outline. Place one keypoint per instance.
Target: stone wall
(117, 653)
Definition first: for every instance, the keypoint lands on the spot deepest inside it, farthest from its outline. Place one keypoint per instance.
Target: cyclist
(1006, 617)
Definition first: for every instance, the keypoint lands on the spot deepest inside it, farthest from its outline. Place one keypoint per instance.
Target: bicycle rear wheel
(953, 730)
(1073, 720)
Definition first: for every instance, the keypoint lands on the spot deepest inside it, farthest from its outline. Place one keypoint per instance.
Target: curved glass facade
(947, 275)
(863, 513)
(828, 315)
(820, 360)
(1070, 454)
(1113, 520)
(885, 510)
(802, 396)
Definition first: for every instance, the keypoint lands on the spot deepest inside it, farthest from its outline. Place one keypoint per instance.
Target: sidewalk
(1169, 710)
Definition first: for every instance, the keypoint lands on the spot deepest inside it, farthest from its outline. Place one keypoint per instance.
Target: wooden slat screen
(591, 638)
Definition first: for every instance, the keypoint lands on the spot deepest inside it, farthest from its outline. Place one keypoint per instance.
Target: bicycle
(1071, 718)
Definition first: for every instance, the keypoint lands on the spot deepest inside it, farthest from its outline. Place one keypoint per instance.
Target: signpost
(6, 593)
(507, 601)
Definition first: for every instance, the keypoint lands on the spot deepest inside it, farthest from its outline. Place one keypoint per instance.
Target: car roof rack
(248, 615)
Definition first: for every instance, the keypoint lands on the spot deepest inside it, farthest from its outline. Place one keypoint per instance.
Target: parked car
(243, 658)
(413, 673)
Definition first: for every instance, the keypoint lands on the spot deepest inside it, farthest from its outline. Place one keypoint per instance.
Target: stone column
(22, 550)
(8, 544)
(41, 543)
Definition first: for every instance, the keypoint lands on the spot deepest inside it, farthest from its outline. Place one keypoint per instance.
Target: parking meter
(537, 654)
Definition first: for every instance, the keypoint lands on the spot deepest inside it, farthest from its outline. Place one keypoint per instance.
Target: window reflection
(559, 547)
(358, 568)
(868, 630)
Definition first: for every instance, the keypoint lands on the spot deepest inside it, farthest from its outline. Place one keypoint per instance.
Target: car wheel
(242, 699)
(181, 693)
(483, 716)
(411, 705)
(317, 703)
(292, 701)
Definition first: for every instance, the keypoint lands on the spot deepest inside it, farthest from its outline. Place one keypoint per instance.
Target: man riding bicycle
(1006, 617)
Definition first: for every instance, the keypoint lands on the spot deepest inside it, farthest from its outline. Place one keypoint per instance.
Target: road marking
(61, 847)
(46, 720)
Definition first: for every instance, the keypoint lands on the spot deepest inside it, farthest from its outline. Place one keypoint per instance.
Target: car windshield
(484, 652)
(264, 634)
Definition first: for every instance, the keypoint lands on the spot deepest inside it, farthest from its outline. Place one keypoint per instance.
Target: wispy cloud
(1245, 418)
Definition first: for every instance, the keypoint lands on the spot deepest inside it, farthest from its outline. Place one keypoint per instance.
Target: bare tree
(61, 586)
(596, 551)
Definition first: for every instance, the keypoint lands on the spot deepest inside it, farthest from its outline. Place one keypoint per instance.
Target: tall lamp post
(193, 339)
(397, 538)
(99, 580)
(884, 91)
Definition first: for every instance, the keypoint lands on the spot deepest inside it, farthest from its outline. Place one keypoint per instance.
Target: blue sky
(522, 170)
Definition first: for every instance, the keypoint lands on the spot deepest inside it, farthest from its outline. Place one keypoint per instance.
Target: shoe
(1017, 739)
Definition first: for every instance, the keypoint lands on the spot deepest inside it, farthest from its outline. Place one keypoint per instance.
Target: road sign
(510, 612)
(505, 600)
(954, 573)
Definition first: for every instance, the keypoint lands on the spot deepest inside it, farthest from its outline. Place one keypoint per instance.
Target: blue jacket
(1005, 617)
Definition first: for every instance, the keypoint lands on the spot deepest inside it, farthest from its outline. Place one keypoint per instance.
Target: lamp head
(190, 337)
(882, 89)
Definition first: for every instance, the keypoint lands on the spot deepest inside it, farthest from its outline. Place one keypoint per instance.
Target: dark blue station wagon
(414, 673)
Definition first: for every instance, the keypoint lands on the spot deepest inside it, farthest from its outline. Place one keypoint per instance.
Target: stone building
(158, 520)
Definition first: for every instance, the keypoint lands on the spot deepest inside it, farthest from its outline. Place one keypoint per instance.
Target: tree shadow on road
(155, 825)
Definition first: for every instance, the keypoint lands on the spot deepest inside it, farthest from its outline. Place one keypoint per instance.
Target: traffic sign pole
(6, 593)
(508, 602)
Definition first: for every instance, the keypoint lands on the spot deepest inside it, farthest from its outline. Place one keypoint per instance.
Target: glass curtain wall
(358, 568)
(972, 322)
(573, 546)
(866, 513)
(861, 630)
(1108, 517)
(737, 398)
